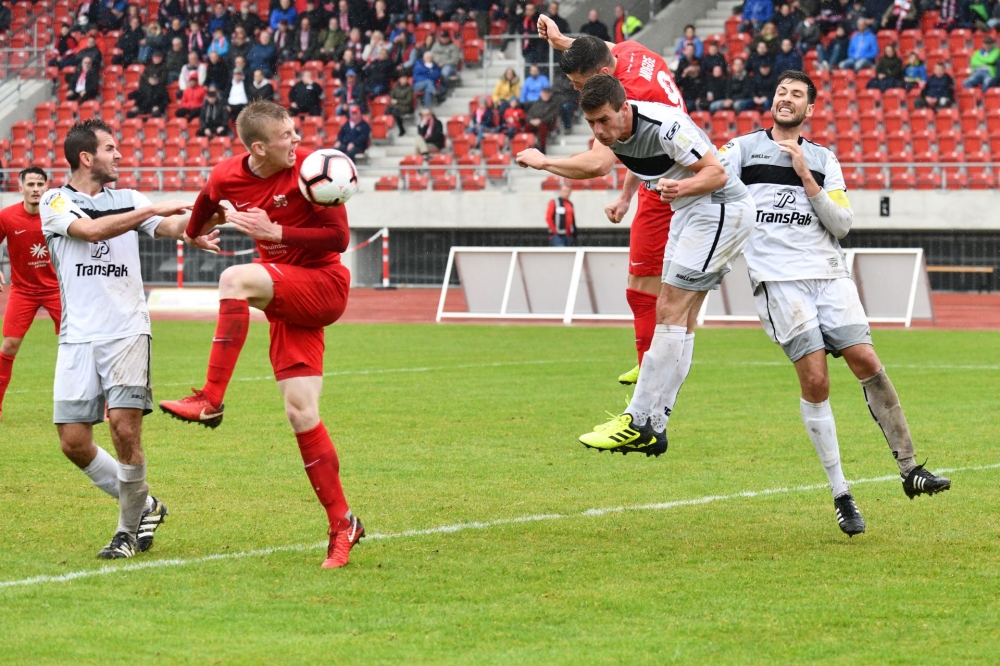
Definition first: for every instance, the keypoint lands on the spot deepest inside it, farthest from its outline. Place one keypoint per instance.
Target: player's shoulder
(55, 197)
(818, 153)
(657, 112)
(632, 47)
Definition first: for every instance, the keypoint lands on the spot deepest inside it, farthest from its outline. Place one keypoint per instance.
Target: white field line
(507, 364)
(457, 527)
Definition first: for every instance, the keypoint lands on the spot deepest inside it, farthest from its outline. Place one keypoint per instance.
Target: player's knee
(10, 346)
(301, 417)
(815, 385)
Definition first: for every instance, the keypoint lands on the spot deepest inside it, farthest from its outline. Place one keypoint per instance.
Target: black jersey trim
(94, 214)
(648, 166)
(771, 174)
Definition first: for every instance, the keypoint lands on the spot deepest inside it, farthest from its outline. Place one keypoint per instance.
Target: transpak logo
(39, 251)
(100, 250)
(784, 199)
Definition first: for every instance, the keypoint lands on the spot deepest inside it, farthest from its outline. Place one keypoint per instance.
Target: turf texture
(469, 427)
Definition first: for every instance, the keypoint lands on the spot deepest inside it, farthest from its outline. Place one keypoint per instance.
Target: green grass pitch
(442, 426)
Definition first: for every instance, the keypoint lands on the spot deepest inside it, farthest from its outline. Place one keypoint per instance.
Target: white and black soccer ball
(328, 177)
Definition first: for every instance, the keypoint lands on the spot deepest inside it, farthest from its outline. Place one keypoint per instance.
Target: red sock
(323, 469)
(230, 334)
(644, 313)
(6, 366)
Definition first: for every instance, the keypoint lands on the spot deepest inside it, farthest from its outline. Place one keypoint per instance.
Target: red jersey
(30, 266)
(279, 196)
(645, 75)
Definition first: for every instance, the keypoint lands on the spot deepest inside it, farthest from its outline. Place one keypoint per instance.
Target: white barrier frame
(849, 255)
(574, 284)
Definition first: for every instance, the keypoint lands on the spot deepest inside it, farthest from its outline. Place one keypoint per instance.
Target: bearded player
(300, 285)
(33, 283)
(646, 78)
(803, 291)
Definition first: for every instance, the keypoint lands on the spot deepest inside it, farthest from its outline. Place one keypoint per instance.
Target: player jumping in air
(104, 338)
(646, 78)
(33, 283)
(804, 295)
(713, 218)
(300, 285)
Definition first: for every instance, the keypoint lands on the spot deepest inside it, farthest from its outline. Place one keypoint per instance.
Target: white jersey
(100, 283)
(788, 242)
(664, 142)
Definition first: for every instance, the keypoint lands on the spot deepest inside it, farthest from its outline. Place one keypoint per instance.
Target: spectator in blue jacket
(755, 13)
(940, 89)
(690, 38)
(862, 49)
(263, 55)
(426, 76)
(531, 89)
(284, 12)
(787, 58)
(355, 135)
(915, 74)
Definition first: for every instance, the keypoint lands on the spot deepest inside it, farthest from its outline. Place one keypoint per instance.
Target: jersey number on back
(669, 87)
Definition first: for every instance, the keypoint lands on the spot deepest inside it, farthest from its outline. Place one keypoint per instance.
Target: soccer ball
(328, 177)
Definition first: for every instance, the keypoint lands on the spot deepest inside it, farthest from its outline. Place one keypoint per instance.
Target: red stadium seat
(443, 182)
(894, 99)
(387, 184)
(68, 111)
(472, 51)
(980, 177)
(869, 100)
(470, 31)
(843, 100)
(947, 142)
(874, 179)
(440, 160)
(822, 138)
(946, 120)
(702, 119)
(974, 143)
(910, 40)
(924, 141)
(842, 79)
(416, 182)
(871, 121)
(471, 164)
(45, 111)
(847, 142)
(521, 142)
(747, 122)
(218, 147)
(41, 150)
(895, 121)
(929, 20)
(972, 120)
(898, 141)
(456, 126)
(552, 183)
(846, 121)
(332, 128)
(380, 128)
(921, 120)
(172, 182)
(151, 147)
(994, 145)
(853, 179)
(959, 40)
(723, 122)
(863, 77)
(935, 39)
(872, 143)
(968, 99)
(473, 182)
(411, 161)
(886, 38)
(497, 161)
(378, 105)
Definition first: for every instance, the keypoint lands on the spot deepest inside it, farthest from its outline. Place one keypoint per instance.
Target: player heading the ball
(298, 282)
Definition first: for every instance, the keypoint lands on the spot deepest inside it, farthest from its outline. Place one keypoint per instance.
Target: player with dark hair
(33, 283)
(646, 78)
(104, 335)
(805, 297)
(300, 285)
(713, 218)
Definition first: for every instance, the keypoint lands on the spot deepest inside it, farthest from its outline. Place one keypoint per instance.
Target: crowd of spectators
(843, 35)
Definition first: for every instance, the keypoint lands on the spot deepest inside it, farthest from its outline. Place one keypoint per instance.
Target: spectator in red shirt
(514, 118)
(560, 219)
(192, 99)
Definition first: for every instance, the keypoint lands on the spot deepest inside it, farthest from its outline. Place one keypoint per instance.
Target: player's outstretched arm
(331, 235)
(548, 30)
(596, 162)
(709, 176)
(112, 226)
(173, 227)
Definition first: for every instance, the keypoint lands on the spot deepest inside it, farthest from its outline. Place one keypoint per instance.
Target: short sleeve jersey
(645, 75)
(788, 242)
(101, 282)
(279, 196)
(30, 268)
(665, 143)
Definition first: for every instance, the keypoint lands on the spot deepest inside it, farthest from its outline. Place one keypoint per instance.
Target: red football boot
(341, 543)
(194, 409)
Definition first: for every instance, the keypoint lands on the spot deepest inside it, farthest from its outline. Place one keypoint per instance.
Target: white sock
(659, 375)
(822, 429)
(103, 471)
(685, 369)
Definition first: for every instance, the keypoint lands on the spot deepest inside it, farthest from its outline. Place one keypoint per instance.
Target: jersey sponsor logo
(796, 218)
(686, 278)
(784, 198)
(280, 200)
(241, 205)
(19, 232)
(109, 270)
(760, 156)
(728, 146)
(673, 131)
(100, 250)
(39, 251)
(57, 202)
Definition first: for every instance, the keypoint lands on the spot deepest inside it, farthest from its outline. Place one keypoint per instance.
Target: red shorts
(305, 301)
(648, 236)
(21, 309)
